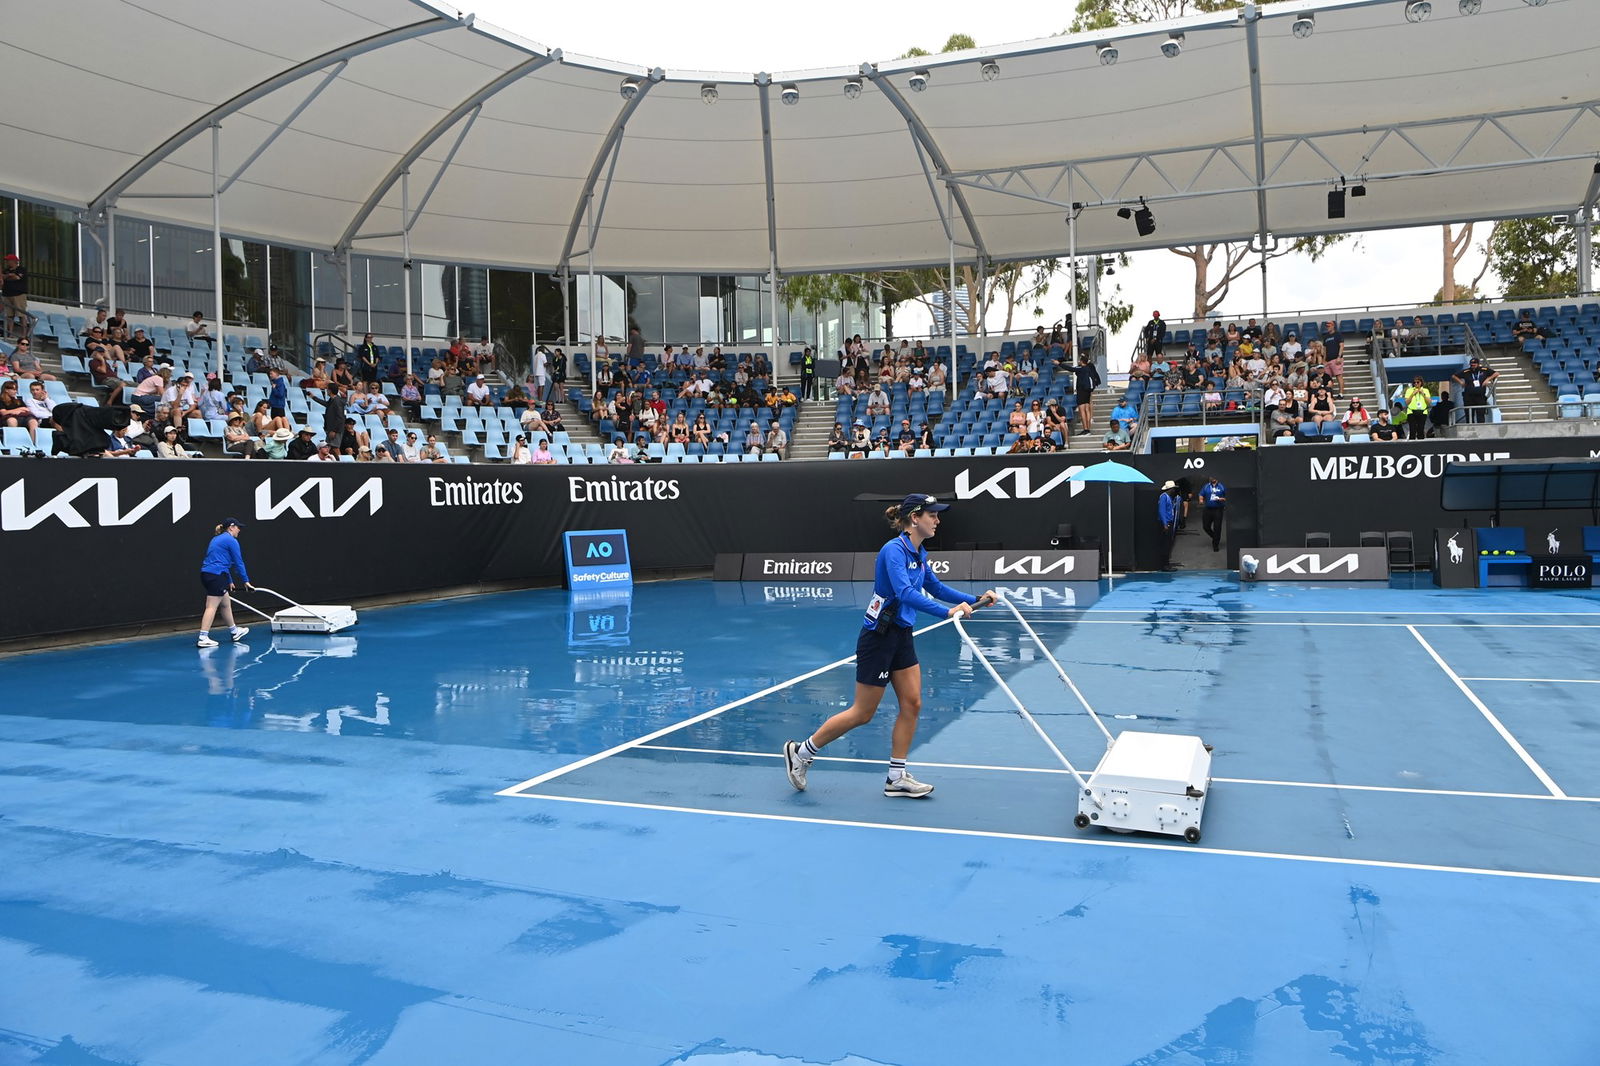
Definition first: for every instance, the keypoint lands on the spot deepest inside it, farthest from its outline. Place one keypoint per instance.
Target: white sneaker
(205, 642)
(238, 632)
(796, 765)
(907, 787)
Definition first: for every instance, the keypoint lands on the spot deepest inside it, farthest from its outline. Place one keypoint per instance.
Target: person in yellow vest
(1417, 400)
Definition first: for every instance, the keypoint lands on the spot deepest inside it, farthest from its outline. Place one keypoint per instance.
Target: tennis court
(523, 826)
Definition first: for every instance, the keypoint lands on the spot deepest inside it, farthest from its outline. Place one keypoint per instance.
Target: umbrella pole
(1111, 558)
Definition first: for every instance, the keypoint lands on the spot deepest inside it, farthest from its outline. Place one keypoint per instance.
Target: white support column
(772, 293)
(269, 293)
(594, 367)
(216, 243)
(109, 250)
(949, 196)
(1585, 225)
(405, 253)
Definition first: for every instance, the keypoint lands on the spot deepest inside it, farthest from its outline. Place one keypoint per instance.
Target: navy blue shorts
(215, 584)
(880, 654)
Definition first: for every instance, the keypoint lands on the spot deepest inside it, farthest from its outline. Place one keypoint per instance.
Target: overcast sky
(734, 35)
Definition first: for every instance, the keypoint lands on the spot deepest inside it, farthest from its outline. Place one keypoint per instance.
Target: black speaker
(1336, 203)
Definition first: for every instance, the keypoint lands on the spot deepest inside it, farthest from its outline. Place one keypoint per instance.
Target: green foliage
(1105, 14)
(915, 53)
(959, 42)
(1533, 257)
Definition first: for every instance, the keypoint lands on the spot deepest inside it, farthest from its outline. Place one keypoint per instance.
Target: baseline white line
(1505, 734)
(769, 690)
(1541, 680)
(1369, 614)
(1223, 780)
(1073, 842)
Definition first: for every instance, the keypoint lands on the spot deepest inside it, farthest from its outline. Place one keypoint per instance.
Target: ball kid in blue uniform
(886, 654)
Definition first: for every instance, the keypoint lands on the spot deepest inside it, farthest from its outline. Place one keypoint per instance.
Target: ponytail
(893, 517)
(220, 528)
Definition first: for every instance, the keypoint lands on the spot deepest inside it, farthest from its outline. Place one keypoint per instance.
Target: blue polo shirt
(224, 557)
(902, 581)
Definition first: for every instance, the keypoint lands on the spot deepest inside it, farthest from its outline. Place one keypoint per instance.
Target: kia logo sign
(100, 497)
(1326, 564)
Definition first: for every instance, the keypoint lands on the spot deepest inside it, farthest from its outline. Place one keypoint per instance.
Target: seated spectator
(1140, 370)
(551, 418)
(169, 447)
(197, 329)
(478, 393)
(1117, 440)
(1400, 336)
(1017, 421)
(358, 401)
(753, 439)
(236, 439)
(411, 397)
(520, 455)
(213, 401)
(678, 432)
(25, 364)
(325, 454)
(860, 439)
(304, 445)
(878, 402)
(1321, 412)
(1033, 425)
(1356, 419)
(1288, 414)
(1384, 428)
(364, 455)
(431, 452)
(542, 455)
(120, 445)
(777, 441)
(997, 385)
(452, 385)
(103, 375)
(256, 364)
(436, 374)
(39, 405)
(392, 447)
(882, 444)
(838, 440)
(354, 438)
(183, 399)
(1211, 397)
(276, 444)
(341, 374)
(844, 384)
(1057, 426)
(619, 453)
(1525, 329)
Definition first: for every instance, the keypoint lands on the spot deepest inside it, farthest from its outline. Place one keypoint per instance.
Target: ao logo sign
(295, 501)
(598, 549)
(105, 504)
(1020, 479)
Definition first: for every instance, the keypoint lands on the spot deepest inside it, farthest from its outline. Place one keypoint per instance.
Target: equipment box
(1149, 782)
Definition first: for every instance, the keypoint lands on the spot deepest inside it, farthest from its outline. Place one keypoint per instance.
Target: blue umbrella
(1112, 473)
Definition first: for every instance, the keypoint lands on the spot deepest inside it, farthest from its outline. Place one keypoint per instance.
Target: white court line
(1091, 842)
(1299, 625)
(1505, 734)
(1224, 780)
(769, 690)
(1541, 680)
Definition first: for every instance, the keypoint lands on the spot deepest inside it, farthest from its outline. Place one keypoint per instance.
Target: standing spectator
(636, 345)
(1086, 379)
(558, 376)
(368, 356)
(808, 374)
(1155, 336)
(1475, 381)
(1416, 400)
(278, 395)
(1441, 414)
(1167, 513)
(14, 316)
(540, 375)
(223, 560)
(332, 416)
(1213, 504)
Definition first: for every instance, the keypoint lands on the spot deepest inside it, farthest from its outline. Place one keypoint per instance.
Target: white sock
(809, 750)
(897, 769)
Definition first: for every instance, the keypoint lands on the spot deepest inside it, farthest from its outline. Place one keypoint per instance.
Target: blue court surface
(523, 828)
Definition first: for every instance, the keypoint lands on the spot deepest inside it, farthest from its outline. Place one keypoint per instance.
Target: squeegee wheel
(1081, 821)
(1192, 834)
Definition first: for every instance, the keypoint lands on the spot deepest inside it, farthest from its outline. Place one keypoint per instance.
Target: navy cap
(918, 501)
(226, 522)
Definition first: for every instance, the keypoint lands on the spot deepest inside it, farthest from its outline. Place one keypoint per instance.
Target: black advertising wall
(1345, 489)
(92, 544)
(111, 544)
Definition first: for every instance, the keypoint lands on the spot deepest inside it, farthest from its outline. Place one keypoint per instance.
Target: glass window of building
(472, 302)
(511, 301)
(550, 306)
(49, 248)
(682, 309)
(244, 283)
(433, 300)
(291, 297)
(648, 309)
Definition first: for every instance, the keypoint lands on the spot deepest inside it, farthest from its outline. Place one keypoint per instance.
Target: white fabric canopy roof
(1459, 117)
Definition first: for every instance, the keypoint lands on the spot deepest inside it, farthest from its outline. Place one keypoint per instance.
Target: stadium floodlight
(1535, 3)
(790, 95)
(630, 88)
(1108, 55)
(990, 70)
(708, 93)
(1305, 25)
(1418, 10)
(1470, 7)
(919, 81)
(852, 88)
(1172, 47)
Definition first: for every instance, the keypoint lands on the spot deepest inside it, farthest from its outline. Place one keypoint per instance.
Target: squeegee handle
(1012, 696)
(1061, 673)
